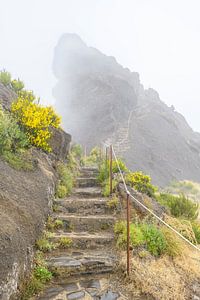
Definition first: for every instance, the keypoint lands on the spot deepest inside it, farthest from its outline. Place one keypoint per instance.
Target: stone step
(85, 240)
(79, 263)
(89, 172)
(87, 181)
(88, 206)
(89, 223)
(85, 287)
(89, 192)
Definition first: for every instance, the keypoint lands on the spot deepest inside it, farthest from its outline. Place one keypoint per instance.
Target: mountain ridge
(100, 100)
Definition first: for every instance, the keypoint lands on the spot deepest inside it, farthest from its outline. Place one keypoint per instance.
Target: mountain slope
(100, 100)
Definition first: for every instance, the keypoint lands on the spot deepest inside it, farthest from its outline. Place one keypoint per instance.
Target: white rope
(150, 211)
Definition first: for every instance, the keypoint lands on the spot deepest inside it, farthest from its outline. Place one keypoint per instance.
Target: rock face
(102, 101)
(60, 143)
(25, 201)
(6, 96)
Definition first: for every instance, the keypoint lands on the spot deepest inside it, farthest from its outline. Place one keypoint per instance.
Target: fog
(158, 39)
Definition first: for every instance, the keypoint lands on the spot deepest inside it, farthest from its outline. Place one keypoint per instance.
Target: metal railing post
(111, 175)
(128, 234)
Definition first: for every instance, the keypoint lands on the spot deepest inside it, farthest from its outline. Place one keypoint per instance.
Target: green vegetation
(33, 120)
(39, 277)
(141, 183)
(36, 121)
(65, 182)
(154, 239)
(54, 224)
(28, 124)
(77, 152)
(189, 188)
(94, 158)
(5, 78)
(42, 274)
(14, 143)
(68, 172)
(106, 187)
(17, 85)
(113, 203)
(196, 229)
(12, 138)
(179, 206)
(64, 242)
(44, 245)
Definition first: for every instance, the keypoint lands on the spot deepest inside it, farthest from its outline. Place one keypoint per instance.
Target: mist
(155, 38)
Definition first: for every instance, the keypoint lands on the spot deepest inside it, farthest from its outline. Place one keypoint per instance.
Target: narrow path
(83, 270)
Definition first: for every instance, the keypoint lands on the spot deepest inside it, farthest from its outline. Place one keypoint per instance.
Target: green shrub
(113, 202)
(77, 151)
(103, 172)
(42, 274)
(141, 183)
(196, 229)
(136, 234)
(154, 239)
(39, 277)
(61, 191)
(94, 158)
(119, 227)
(121, 164)
(65, 183)
(19, 160)
(44, 245)
(179, 206)
(106, 187)
(17, 85)
(54, 224)
(12, 138)
(58, 224)
(13, 143)
(33, 287)
(104, 169)
(5, 78)
(29, 95)
(65, 242)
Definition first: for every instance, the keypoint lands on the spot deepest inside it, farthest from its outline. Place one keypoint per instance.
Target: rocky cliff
(25, 202)
(102, 101)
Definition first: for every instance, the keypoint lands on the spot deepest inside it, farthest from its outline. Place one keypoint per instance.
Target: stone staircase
(82, 271)
(120, 138)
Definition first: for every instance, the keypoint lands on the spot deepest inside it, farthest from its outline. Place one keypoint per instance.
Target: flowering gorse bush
(36, 120)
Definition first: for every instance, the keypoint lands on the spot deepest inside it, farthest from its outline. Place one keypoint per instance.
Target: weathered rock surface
(6, 96)
(60, 143)
(102, 101)
(25, 201)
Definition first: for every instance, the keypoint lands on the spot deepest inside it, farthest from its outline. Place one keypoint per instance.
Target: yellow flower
(36, 121)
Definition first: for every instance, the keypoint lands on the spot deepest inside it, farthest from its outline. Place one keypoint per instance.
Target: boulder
(60, 143)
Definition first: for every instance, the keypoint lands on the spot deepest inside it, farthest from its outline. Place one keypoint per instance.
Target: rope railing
(144, 206)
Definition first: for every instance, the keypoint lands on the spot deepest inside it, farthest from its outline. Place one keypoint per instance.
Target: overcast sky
(160, 39)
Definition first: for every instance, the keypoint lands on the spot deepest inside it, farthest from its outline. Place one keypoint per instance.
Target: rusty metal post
(106, 157)
(128, 234)
(85, 153)
(111, 175)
